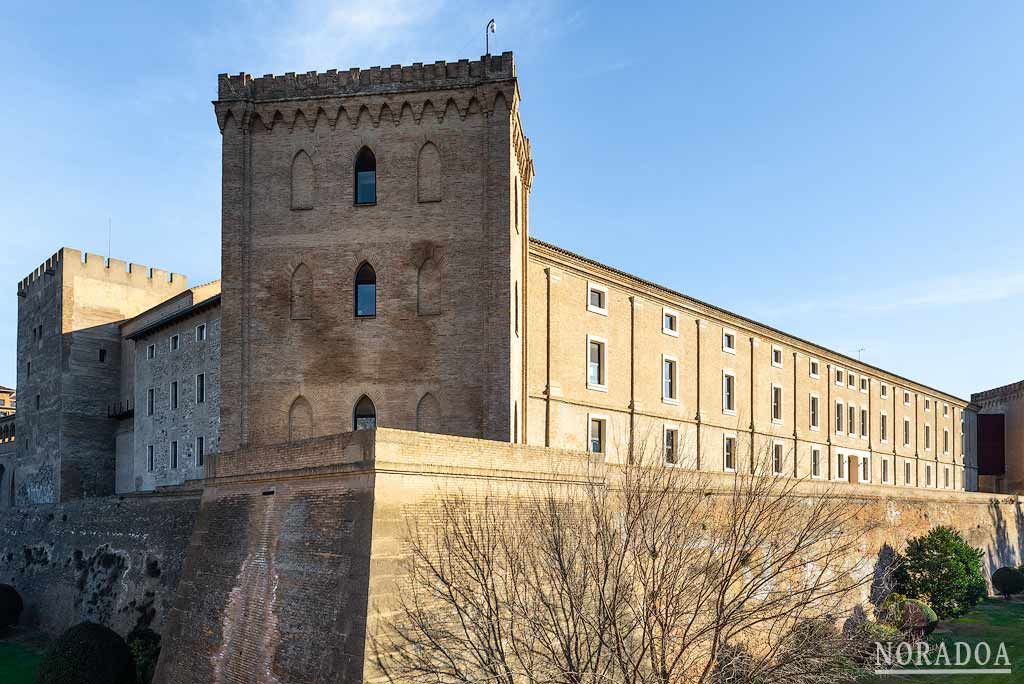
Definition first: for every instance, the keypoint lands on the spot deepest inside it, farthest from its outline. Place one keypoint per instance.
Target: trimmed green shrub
(1008, 581)
(11, 606)
(907, 615)
(144, 644)
(87, 653)
(943, 570)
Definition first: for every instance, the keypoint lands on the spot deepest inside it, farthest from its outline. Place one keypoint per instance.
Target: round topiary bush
(11, 606)
(1008, 581)
(87, 654)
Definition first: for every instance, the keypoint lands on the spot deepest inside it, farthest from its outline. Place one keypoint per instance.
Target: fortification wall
(112, 560)
(290, 568)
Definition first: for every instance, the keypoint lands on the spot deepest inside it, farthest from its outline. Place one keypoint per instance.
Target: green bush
(1008, 581)
(11, 606)
(907, 615)
(144, 644)
(87, 654)
(943, 570)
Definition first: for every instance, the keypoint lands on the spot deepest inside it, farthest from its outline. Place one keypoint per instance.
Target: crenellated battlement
(374, 80)
(115, 270)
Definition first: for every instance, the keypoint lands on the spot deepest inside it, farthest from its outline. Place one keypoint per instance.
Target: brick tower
(374, 236)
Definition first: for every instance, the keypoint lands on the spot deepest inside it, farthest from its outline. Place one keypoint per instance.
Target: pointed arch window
(366, 177)
(300, 420)
(428, 414)
(301, 293)
(365, 415)
(429, 174)
(366, 291)
(302, 181)
(428, 288)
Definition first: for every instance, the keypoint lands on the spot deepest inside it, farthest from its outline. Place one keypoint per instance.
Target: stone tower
(373, 241)
(70, 362)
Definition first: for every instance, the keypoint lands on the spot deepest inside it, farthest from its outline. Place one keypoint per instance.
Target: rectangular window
(597, 299)
(668, 379)
(776, 404)
(671, 442)
(728, 341)
(945, 477)
(201, 388)
(151, 352)
(906, 398)
(777, 459)
(201, 332)
(863, 384)
(150, 461)
(885, 471)
(174, 395)
(815, 462)
(928, 405)
(729, 453)
(597, 434)
(839, 417)
(777, 356)
(669, 322)
(864, 422)
(865, 469)
(945, 441)
(840, 376)
(595, 363)
(150, 397)
(815, 368)
(728, 393)
(883, 427)
(174, 455)
(852, 413)
(103, 355)
(840, 467)
(851, 380)
(884, 391)
(815, 415)
(173, 344)
(906, 432)
(906, 473)
(928, 475)
(200, 451)
(945, 410)
(927, 437)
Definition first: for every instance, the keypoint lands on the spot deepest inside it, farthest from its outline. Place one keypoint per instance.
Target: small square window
(815, 368)
(670, 322)
(840, 376)
(151, 352)
(906, 398)
(777, 356)
(174, 343)
(729, 341)
(597, 299)
(201, 332)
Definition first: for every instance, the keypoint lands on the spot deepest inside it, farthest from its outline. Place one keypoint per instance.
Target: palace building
(378, 270)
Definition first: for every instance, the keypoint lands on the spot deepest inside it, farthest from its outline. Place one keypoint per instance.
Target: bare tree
(632, 574)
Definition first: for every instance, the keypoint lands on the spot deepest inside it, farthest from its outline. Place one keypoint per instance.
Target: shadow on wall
(1006, 551)
(883, 583)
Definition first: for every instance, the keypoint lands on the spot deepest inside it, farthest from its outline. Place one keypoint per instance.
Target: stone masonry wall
(112, 560)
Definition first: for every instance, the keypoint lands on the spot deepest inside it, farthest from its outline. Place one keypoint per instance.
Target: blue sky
(849, 172)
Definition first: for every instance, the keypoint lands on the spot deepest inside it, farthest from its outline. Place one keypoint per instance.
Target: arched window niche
(366, 291)
(364, 416)
(366, 177)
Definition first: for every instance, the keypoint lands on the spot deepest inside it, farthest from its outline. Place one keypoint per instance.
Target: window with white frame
(945, 410)
(928, 475)
(815, 462)
(815, 414)
(150, 459)
(928, 405)
(927, 437)
(777, 356)
(151, 351)
(840, 375)
(200, 451)
(864, 423)
(814, 368)
(852, 415)
(840, 467)
(776, 404)
(777, 458)
(945, 441)
(839, 417)
(884, 390)
(173, 343)
(174, 454)
(668, 379)
(670, 322)
(863, 384)
(864, 474)
(728, 341)
(201, 332)
(597, 299)
(728, 393)
(729, 453)
(596, 359)
(907, 480)
(671, 444)
(885, 471)
(906, 432)
(598, 428)
(883, 426)
(906, 398)
(851, 380)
